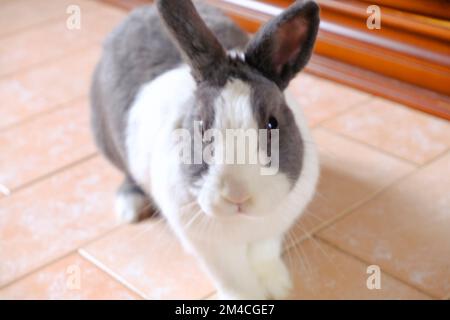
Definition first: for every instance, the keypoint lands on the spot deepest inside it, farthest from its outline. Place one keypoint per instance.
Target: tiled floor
(383, 197)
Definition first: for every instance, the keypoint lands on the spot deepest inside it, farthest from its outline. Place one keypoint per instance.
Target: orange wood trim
(383, 86)
(409, 50)
(406, 22)
(431, 8)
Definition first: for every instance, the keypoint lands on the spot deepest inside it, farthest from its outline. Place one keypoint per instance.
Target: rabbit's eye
(272, 124)
(202, 128)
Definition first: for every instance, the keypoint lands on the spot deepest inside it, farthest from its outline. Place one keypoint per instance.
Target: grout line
(85, 254)
(57, 258)
(350, 137)
(347, 211)
(376, 194)
(36, 269)
(350, 209)
(47, 175)
(326, 224)
(47, 111)
(348, 253)
(437, 157)
(362, 143)
(115, 275)
(297, 241)
(315, 232)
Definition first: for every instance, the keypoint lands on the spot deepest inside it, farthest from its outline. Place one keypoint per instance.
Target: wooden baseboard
(407, 61)
(380, 85)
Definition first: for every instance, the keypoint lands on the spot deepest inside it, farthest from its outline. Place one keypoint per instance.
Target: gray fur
(198, 45)
(140, 49)
(136, 52)
(267, 102)
(284, 46)
(204, 112)
(146, 206)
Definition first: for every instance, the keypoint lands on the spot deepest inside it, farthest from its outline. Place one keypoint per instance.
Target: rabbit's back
(136, 52)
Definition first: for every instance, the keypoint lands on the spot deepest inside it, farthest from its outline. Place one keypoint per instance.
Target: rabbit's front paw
(132, 205)
(275, 278)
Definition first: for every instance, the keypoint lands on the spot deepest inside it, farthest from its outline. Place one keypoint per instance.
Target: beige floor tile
(149, 259)
(53, 217)
(350, 173)
(16, 15)
(322, 99)
(45, 144)
(322, 272)
(403, 132)
(54, 40)
(99, 18)
(46, 86)
(405, 229)
(70, 278)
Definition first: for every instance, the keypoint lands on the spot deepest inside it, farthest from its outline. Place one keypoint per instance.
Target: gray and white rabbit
(170, 65)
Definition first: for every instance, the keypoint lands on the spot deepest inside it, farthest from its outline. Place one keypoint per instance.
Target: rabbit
(176, 62)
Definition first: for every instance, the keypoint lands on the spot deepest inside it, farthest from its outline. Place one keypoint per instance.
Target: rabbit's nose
(234, 192)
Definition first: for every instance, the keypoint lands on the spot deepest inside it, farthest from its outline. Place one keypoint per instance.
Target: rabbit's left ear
(285, 44)
(196, 42)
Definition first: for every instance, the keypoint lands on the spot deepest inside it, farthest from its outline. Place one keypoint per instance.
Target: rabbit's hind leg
(132, 203)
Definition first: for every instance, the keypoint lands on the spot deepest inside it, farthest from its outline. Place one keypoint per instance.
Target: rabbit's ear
(284, 45)
(198, 45)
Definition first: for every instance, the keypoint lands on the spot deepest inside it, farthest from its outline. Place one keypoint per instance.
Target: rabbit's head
(239, 96)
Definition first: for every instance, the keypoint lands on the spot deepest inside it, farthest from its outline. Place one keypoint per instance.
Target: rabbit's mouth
(225, 211)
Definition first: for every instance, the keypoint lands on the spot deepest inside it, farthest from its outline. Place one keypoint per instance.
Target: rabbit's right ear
(281, 48)
(198, 45)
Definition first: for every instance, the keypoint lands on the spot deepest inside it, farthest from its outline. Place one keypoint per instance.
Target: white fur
(129, 206)
(233, 110)
(236, 54)
(241, 253)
